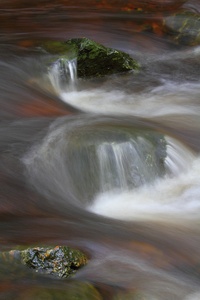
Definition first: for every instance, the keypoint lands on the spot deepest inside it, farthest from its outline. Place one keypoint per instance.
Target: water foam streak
(63, 74)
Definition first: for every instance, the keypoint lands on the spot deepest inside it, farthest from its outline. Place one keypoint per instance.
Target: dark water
(65, 168)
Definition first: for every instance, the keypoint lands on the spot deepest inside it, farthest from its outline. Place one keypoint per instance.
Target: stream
(111, 165)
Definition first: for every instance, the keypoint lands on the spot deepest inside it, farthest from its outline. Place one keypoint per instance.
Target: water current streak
(63, 74)
(87, 179)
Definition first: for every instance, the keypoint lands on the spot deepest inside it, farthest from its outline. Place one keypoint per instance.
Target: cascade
(118, 177)
(125, 165)
(63, 74)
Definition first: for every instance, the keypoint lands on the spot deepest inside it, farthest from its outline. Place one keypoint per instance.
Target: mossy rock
(183, 28)
(93, 59)
(60, 261)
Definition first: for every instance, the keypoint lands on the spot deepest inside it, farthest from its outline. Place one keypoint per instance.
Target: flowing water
(110, 166)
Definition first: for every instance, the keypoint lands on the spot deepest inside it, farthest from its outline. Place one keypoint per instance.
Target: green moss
(59, 261)
(95, 60)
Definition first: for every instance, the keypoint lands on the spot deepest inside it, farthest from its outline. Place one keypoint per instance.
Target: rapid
(78, 166)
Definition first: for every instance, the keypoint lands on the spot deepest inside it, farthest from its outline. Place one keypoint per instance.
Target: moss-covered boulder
(60, 261)
(183, 28)
(93, 59)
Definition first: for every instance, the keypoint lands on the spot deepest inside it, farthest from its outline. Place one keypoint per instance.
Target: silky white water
(167, 208)
(62, 73)
(169, 98)
(77, 166)
(172, 198)
(146, 94)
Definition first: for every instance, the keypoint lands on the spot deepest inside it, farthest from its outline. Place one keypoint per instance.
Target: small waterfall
(103, 159)
(170, 198)
(112, 165)
(125, 165)
(86, 158)
(63, 74)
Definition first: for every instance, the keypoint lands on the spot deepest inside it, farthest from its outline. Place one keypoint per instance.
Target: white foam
(62, 74)
(169, 199)
(167, 99)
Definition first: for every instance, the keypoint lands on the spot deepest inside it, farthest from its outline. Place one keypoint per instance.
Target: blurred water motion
(66, 169)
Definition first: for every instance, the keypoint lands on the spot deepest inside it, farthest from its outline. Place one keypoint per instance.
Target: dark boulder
(93, 59)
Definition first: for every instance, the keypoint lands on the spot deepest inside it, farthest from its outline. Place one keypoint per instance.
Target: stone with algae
(60, 261)
(183, 27)
(93, 59)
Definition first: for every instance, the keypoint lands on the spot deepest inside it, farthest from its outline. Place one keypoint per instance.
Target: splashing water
(172, 198)
(63, 74)
(123, 165)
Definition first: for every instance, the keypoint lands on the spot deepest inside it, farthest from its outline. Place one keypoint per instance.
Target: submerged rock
(74, 291)
(183, 28)
(60, 261)
(32, 286)
(105, 158)
(133, 295)
(93, 59)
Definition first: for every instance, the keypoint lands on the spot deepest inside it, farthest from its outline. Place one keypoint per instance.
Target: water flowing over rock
(107, 163)
(63, 72)
(107, 158)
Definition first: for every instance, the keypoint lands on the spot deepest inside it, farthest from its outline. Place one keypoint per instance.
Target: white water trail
(63, 74)
(125, 164)
(173, 198)
(169, 98)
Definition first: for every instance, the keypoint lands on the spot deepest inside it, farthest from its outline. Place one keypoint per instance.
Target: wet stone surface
(183, 27)
(60, 261)
(93, 59)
